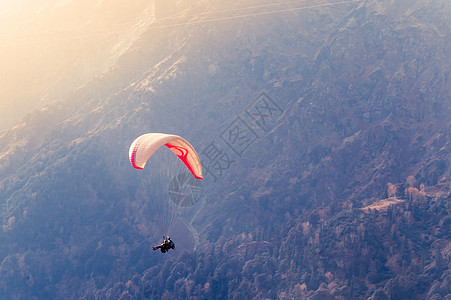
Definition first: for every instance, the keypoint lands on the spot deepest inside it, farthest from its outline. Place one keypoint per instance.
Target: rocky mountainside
(323, 131)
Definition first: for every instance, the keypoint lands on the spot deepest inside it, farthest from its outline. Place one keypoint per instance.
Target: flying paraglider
(144, 146)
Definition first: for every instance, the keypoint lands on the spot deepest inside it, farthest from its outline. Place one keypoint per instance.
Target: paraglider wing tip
(132, 161)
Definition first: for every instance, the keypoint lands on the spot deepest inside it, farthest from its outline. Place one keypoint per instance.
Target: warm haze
(48, 47)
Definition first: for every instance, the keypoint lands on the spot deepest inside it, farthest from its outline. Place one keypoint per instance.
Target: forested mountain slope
(323, 131)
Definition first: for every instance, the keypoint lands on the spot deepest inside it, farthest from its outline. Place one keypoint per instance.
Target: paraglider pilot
(165, 246)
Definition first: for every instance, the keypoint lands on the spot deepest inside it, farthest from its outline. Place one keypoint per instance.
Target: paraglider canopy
(144, 146)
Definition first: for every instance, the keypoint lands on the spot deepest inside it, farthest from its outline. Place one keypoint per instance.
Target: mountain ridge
(361, 114)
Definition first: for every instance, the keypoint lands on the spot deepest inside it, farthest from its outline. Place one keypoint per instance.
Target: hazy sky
(48, 47)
